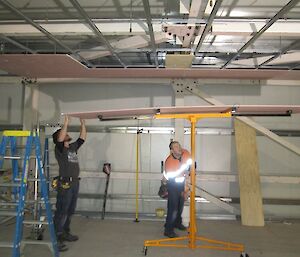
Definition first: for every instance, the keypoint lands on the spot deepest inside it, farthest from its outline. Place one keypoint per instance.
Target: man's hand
(82, 129)
(63, 131)
(67, 120)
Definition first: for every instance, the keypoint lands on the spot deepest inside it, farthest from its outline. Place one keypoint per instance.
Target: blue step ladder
(32, 142)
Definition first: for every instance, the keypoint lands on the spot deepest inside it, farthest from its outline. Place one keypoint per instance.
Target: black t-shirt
(67, 158)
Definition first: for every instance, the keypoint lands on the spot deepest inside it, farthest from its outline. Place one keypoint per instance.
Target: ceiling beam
(41, 29)
(96, 30)
(282, 28)
(287, 58)
(150, 30)
(208, 25)
(191, 29)
(241, 27)
(133, 43)
(284, 10)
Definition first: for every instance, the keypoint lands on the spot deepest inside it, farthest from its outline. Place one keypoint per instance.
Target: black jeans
(175, 205)
(66, 200)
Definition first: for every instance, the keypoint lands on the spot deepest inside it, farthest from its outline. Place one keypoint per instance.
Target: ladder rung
(17, 133)
(51, 200)
(29, 179)
(11, 157)
(35, 222)
(8, 204)
(9, 185)
(36, 242)
(6, 245)
(16, 157)
(8, 213)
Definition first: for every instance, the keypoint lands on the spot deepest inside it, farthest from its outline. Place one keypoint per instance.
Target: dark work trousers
(65, 207)
(175, 205)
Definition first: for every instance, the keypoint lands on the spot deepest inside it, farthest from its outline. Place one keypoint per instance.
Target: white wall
(215, 153)
(10, 103)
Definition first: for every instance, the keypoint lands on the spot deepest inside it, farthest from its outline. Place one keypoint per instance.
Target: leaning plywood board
(249, 180)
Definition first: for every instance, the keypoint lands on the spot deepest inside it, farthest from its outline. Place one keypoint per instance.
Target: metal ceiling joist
(17, 44)
(96, 30)
(150, 29)
(208, 25)
(278, 15)
(45, 32)
(124, 45)
(282, 28)
(287, 58)
(283, 51)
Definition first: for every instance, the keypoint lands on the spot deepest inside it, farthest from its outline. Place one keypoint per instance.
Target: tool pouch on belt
(59, 182)
(163, 191)
(65, 184)
(54, 183)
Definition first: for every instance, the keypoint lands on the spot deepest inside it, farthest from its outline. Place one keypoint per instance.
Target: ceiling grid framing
(14, 42)
(44, 31)
(208, 25)
(150, 30)
(95, 29)
(179, 27)
(278, 15)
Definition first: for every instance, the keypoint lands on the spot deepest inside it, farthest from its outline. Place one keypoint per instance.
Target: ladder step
(8, 213)
(8, 204)
(17, 133)
(35, 222)
(36, 242)
(6, 245)
(16, 157)
(29, 179)
(10, 184)
(11, 157)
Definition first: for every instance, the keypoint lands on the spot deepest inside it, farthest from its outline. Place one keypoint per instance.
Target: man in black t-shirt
(68, 181)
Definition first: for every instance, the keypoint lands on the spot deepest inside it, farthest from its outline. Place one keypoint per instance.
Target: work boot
(61, 246)
(170, 234)
(69, 237)
(180, 227)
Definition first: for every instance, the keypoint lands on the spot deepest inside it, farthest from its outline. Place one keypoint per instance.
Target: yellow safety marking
(193, 115)
(17, 133)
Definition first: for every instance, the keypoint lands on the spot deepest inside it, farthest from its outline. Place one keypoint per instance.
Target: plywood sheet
(249, 179)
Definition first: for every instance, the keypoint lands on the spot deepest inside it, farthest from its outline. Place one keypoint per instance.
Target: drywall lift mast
(190, 240)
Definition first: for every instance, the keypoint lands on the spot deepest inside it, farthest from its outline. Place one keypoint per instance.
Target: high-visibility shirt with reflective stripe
(172, 164)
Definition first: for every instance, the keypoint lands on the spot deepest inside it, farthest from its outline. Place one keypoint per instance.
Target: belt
(69, 179)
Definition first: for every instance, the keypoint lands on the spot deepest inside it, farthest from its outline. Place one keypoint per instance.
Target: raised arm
(82, 130)
(64, 130)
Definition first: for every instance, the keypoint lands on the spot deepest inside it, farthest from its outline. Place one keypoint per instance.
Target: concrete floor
(112, 237)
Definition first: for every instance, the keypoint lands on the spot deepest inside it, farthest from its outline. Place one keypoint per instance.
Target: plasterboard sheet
(150, 112)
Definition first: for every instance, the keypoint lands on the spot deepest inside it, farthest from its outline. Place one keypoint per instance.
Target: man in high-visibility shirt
(176, 168)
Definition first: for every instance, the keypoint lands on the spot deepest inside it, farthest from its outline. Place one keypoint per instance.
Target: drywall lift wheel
(145, 250)
(244, 255)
